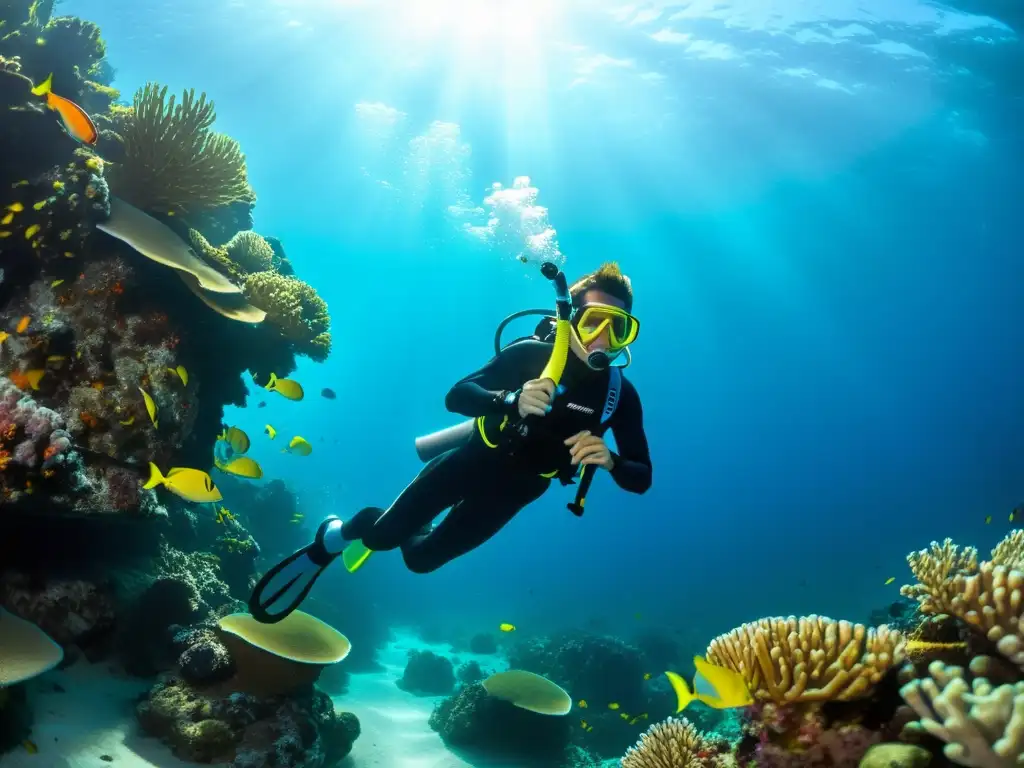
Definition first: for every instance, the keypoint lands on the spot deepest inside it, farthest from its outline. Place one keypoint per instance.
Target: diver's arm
(631, 467)
(492, 390)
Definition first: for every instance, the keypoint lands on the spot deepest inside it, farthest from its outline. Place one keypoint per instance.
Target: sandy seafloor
(85, 712)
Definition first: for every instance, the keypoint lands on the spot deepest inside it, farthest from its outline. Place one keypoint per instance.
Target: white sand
(395, 730)
(94, 716)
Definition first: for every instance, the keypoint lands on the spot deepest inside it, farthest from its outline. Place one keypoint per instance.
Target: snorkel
(516, 431)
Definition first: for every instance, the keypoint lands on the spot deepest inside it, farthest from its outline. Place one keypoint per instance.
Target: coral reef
(71, 611)
(470, 673)
(427, 674)
(298, 731)
(676, 743)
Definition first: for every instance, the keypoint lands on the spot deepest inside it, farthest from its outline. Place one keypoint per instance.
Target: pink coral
(37, 427)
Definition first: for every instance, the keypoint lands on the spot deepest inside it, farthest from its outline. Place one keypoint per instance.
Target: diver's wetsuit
(485, 487)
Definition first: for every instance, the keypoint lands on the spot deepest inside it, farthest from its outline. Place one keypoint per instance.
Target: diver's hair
(607, 278)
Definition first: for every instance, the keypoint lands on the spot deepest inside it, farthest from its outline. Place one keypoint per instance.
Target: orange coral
(5, 459)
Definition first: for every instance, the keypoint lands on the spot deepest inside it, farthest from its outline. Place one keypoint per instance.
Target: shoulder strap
(611, 402)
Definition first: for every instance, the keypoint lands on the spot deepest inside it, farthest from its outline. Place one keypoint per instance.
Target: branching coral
(982, 725)
(934, 568)
(672, 743)
(810, 659)
(171, 161)
(295, 307)
(243, 254)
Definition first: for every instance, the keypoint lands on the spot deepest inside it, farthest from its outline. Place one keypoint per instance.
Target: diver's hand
(585, 448)
(535, 398)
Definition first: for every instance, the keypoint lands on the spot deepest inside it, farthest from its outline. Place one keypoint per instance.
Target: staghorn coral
(933, 568)
(810, 659)
(1010, 551)
(674, 743)
(295, 308)
(170, 162)
(982, 725)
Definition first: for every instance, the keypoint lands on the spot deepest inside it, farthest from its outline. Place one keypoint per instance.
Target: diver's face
(602, 342)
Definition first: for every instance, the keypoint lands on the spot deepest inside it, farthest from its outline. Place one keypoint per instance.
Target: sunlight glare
(478, 23)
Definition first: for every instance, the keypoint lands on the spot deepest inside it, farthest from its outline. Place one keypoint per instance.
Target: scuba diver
(538, 410)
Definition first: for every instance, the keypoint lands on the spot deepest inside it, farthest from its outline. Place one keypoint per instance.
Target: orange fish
(23, 324)
(26, 380)
(76, 121)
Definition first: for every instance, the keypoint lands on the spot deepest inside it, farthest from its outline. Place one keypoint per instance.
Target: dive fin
(283, 588)
(355, 556)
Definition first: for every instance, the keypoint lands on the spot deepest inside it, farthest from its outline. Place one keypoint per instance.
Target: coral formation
(299, 731)
(676, 743)
(483, 643)
(168, 161)
(427, 674)
(295, 308)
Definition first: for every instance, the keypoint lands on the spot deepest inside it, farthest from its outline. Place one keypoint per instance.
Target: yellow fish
(582, 704)
(4, 336)
(243, 466)
(988, 519)
(507, 627)
(585, 725)
(190, 484)
(16, 207)
(127, 422)
(7, 219)
(181, 373)
(624, 716)
(285, 387)
(150, 407)
(236, 438)
(270, 431)
(299, 446)
(55, 283)
(31, 231)
(613, 705)
(715, 686)
(647, 675)
(890, 580)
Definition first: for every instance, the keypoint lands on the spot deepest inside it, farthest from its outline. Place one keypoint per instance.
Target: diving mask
(591, 320)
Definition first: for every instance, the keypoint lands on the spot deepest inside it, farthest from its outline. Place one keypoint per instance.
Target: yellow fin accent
(355, 556)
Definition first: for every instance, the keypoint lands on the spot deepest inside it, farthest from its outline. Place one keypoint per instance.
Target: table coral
(808, 659)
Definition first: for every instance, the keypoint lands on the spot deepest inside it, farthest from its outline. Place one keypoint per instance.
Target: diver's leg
(439, 485)
(471, 522)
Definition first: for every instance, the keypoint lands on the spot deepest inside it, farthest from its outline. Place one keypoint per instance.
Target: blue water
(818, 204)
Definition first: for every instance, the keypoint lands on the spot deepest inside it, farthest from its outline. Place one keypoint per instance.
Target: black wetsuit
(486, 487)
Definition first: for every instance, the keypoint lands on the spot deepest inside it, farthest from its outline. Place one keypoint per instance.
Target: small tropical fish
(285, 387)
(271, 432)
(297, 518)
(75, 119)
(4, 233)
(4, 336)
(613, 705)
(299, 446)
(1013, 515)
(190, 484)
(31, 231)
(181, 373)
(715, 686)
(647, 675)
(7, 219)
(30, 746)
(585, 725)
(15, 207)
(988, 519)
(624, 716)
(634, 721)
(262, 404)
(127, 422)
(328, 393)
(55, 283)
(97, 385)
(150, 407)
(28, 380)
(243, 466)
(582, 704)
(23, 324)
(890, 580)
(40, 205)
(236, 438)
(507, 627)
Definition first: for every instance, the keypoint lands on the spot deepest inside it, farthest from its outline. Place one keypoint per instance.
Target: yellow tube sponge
(172, 162)
(808, 659)
(982, 725)
(295, 307)
(672, 743)
(934, 569)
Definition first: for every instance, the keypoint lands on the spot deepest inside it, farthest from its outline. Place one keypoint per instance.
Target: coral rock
(427, 674)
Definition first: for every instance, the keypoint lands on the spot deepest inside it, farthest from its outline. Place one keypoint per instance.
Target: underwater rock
(206, 659)
(483, 643)
(427, 674)
(71, 611)
(146, 644)
(470, 673)
(471, 719)
(15, 717)
(299, 731)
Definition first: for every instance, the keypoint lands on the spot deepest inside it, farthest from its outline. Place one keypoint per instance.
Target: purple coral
(36, 433)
